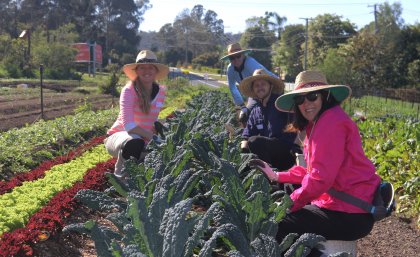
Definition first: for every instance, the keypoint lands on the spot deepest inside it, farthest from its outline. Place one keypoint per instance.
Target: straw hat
(309, 81)
(246, 85)
(145, 57)
(233, 49)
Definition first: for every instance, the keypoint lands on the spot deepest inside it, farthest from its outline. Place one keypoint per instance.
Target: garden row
(193, 195)
(27, 196)
(392, 141)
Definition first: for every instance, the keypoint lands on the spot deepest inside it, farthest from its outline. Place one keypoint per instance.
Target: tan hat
(246, 85)
(233, 49)
(309, 81)
(145, 57)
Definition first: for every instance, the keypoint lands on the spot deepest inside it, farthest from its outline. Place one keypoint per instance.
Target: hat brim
(245, 87)
(286, 102)
(245, 51)
(130, 70)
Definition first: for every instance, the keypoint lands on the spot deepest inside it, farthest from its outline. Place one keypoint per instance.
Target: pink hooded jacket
(335, 158)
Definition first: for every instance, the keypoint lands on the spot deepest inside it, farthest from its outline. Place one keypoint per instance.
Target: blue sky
(235, 12)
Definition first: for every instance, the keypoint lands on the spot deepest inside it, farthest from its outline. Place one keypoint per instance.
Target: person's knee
(255, 143)
(133, 148)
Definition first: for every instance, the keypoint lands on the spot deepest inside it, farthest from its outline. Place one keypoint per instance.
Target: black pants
(333, 225)
(274, 151)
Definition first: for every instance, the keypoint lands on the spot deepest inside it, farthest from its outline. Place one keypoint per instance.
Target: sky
(235, 12)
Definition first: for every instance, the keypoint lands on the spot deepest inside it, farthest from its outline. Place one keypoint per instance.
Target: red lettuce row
(39, 172)
(51, 217)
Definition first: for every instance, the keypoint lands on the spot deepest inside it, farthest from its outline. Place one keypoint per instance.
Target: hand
(296, 206)
(244, 146)
(265, 168)
(243, 114)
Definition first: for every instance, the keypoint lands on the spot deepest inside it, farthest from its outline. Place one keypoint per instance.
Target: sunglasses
(233, 57)
(300, 99)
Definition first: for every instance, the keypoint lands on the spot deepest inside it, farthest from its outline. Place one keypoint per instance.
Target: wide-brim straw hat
(245, 87)
(234, 49)
(145, 57)
(309, 81)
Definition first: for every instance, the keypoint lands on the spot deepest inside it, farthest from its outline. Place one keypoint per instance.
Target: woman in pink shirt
(335, 159)
(141, 100)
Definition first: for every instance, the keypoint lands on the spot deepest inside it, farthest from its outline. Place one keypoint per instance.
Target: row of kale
(192, 196)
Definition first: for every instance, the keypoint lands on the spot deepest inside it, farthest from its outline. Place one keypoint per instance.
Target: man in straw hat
(240, 67)
(335, 160)
(141, 100)
(264, 133)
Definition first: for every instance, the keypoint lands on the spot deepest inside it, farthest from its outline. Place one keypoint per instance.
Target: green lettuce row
(25, 148)
(20, 204)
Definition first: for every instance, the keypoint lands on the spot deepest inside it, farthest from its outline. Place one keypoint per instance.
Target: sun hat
(233, 49)
(309, 81)
(245, 87)
(145, 57)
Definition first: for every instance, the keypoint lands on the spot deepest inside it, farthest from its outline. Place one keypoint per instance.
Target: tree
(336, 67)
(288, 52)
(195, 32)
(413, 73)
(277, 24)
(326, 31)
(255, 38)
(362, 58)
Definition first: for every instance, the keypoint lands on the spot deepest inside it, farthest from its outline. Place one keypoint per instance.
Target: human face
(147, 73)
(261, 88)
(236, 60)
(311, 105)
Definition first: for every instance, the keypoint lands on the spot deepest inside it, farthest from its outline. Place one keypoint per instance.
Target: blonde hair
(143, 94)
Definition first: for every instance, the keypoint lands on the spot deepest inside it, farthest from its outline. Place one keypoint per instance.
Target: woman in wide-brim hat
(309, 81)
(334, 159)
(146, 57)
(141, 101)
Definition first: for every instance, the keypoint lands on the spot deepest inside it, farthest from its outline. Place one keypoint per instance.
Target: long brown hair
(143, 95)
(299, 123)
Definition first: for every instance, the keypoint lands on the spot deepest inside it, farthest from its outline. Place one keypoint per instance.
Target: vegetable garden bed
(194, 171)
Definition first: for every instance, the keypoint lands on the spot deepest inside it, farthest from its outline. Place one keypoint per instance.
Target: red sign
(84, 52)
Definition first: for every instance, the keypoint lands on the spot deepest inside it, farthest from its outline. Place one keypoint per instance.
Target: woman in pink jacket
(335, 159)
(141, 100)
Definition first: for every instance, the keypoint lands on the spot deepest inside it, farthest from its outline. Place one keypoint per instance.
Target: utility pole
(375, 15)
(306, 44)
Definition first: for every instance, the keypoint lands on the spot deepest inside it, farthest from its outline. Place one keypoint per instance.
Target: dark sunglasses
(299, 99)
(233, 57)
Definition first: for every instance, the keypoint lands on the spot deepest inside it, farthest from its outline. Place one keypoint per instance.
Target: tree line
(382, 54)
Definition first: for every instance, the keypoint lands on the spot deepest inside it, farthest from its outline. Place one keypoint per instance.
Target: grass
(372, 106)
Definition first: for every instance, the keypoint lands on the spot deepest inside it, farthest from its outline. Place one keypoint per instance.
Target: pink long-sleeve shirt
(130, 114)
(335, 158)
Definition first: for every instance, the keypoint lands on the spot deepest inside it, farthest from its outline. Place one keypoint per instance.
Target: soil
(394, 236)
(16, 111)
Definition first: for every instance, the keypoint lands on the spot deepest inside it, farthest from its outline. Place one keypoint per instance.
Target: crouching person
(335, 159)
(141, 100)
(264, 132)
